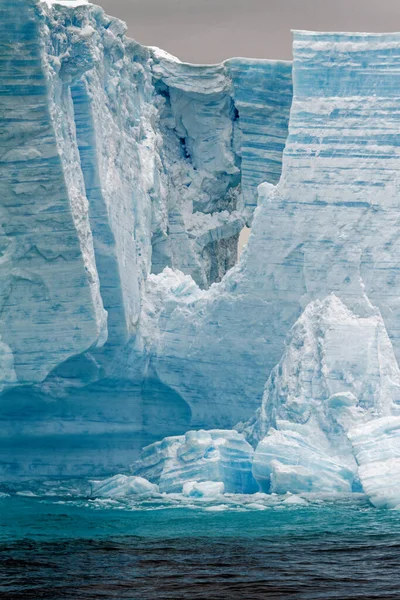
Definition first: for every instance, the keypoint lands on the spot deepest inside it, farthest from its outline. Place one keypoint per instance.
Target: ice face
(126, 178)
(328, 417)
(377, 449)
(337, 365)
(329, 225)
(216, 155)
(119, 161)
(338, 373)
(48, 274)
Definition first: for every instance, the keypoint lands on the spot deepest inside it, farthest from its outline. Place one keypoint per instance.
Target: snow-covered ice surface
(126, 319)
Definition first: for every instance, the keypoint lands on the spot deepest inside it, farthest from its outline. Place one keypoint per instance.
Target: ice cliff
(117, 161)
(126, 316)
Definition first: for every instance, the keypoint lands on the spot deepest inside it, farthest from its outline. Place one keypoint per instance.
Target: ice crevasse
(126, 316)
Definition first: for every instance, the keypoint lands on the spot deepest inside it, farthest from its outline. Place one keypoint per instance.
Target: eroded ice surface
(338, 373)
(118, 161)
(125, 317)
(377, 450)
(327, 422)
(218, 456)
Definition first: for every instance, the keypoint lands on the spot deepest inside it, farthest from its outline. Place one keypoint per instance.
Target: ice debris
(205, 489)
(199, 456)
(123, 485)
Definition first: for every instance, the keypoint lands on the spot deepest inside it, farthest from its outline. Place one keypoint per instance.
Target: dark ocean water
(53, 548)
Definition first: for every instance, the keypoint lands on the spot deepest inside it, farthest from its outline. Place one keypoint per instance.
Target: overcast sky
(212, 30)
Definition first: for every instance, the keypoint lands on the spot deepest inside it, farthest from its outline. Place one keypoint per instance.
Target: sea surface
(58, 543)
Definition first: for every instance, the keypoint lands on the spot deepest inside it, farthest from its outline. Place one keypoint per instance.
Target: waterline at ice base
(142, 360)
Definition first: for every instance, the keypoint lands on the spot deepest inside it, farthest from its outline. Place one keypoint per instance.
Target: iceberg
(130, 330)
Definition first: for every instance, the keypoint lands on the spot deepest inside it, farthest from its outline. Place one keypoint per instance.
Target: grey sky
(212, 30)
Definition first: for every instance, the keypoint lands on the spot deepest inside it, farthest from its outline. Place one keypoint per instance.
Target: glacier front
(128, 320)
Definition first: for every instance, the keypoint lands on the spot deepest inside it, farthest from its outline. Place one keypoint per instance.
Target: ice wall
(225, 127)
(117, 161)
(329, 225)
(126, 178)
(51, 306)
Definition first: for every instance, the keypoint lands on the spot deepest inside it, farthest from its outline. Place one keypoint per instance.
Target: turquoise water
(66, 546)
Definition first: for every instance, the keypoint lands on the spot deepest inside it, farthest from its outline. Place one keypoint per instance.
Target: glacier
(132, 335)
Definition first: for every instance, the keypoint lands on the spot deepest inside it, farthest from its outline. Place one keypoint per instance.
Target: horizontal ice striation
(329, 225)
(336, 206)
(338, 372)
(263, 92)
(199, 456)
(377, 450)
(50, 300)
(224, 135)
(112, 158)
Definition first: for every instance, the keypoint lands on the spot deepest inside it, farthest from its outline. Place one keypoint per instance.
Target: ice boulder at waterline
(338, 373)
(123, 485)
(285, 461)
(377, 450)
(199, 456)
(205, 489)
